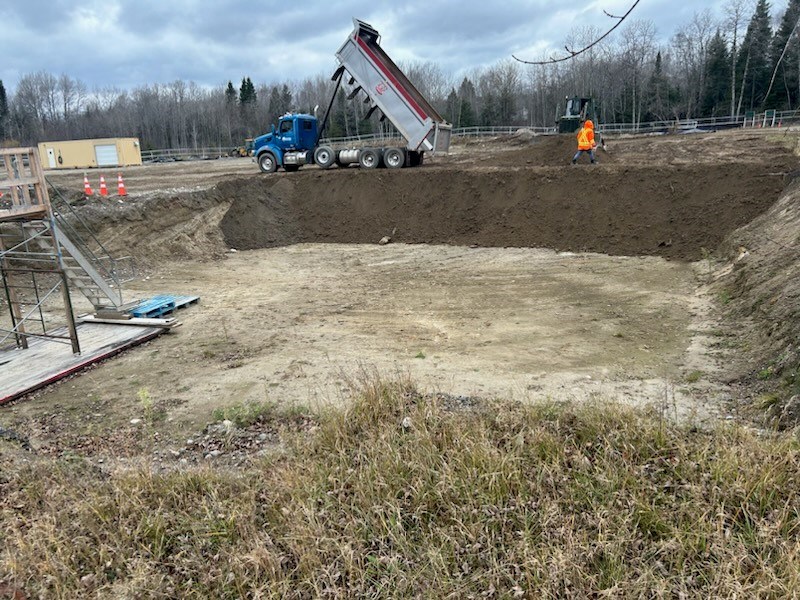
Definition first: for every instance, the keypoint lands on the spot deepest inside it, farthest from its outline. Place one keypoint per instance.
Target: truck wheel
(369, 159)
(324, 156)
(394, 158)
(267, 163)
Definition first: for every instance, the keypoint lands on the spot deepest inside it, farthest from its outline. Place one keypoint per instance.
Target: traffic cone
(103, 188)
(87, 189)
(121, 191)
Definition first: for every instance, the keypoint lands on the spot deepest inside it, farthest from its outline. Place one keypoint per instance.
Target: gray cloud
(125, 43)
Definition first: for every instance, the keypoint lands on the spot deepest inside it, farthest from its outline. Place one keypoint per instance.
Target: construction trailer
(88, 154)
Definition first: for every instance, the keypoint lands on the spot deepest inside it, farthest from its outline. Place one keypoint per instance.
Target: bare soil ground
(463, 300)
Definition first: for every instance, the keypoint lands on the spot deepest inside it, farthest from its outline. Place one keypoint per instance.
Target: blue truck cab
(289, 145)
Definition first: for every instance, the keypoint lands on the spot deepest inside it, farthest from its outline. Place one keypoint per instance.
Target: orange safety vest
(586, 136)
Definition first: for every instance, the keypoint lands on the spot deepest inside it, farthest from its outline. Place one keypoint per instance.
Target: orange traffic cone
(87, 189)
(103, 188)
(121, 191)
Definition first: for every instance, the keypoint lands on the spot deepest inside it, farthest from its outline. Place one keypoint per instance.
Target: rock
(406, 423)
(385, 240)
(227, 424)
(135, 421)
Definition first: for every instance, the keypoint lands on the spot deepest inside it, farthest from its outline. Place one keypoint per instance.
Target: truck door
(286, 134)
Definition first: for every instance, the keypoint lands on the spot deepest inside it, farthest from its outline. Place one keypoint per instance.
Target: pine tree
(658, 93)
(286, 99)
(3, 110)
(230, 94)
(247, 92)
(467, 97)
(785, 91)
(451, 108)
(275, 109)
(753, 61)
(716, 93)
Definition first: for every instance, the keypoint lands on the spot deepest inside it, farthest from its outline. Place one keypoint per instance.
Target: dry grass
(407, 496)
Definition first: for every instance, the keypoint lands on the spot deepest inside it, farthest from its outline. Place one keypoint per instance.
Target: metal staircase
(45, 247)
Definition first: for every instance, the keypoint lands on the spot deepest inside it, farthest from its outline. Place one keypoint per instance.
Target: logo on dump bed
(381, 88)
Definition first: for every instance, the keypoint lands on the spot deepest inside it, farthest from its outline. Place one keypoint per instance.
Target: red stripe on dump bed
(376, 59)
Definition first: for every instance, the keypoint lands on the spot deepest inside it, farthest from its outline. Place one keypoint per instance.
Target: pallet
(159, 306)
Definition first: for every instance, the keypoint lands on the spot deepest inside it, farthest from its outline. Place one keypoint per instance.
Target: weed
(420, 355)
(694, 376)
(146, 402)
(765, 374)
(244, 414)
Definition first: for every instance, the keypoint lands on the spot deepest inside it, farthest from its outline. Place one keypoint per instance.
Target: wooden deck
(44, 362)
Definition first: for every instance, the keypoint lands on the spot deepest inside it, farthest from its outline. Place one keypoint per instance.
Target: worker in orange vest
(586, 142)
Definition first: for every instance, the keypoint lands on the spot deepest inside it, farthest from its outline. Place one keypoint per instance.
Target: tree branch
(574, 53)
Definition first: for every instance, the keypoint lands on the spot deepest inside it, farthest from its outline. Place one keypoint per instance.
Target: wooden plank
(45, 362)
(138, 321)
(18, 212)
(10, 183)
(15, 151)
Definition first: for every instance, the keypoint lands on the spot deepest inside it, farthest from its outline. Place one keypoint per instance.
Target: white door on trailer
(106, 155)
(51, 158)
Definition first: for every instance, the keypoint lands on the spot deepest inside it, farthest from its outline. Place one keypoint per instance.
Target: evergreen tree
(658, 93)
(286, 99)
(274, 110)
(230, 94)
(3, 110)
(451, 108)
(785, 91)
(753, 61)
(718, 75)
(247, 92)
(467, 97)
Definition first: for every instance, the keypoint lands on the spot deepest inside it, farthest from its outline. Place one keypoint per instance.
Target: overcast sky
(125, 43)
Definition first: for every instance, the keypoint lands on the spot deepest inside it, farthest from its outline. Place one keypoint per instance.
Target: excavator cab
(577, 110)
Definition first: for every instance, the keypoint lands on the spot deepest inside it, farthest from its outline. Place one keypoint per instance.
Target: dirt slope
(635, 210)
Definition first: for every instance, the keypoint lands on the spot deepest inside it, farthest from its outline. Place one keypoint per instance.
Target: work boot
(574, 162)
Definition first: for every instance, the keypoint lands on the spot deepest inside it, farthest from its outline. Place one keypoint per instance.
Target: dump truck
(370, 72)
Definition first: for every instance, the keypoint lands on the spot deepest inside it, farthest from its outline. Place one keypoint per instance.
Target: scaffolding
(46, 249)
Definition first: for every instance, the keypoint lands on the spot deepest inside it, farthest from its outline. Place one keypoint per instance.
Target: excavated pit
(471, 297)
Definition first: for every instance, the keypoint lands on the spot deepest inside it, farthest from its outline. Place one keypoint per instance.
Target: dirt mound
(612, 209)
(759, 287)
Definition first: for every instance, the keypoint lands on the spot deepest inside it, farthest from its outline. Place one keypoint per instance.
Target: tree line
(745, 59)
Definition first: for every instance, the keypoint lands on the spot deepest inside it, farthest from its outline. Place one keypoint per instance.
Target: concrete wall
(81, 154)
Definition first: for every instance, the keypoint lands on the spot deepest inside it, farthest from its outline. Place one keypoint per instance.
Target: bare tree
(735, 11)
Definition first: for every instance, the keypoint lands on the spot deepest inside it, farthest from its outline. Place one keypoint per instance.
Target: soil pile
(612, 209)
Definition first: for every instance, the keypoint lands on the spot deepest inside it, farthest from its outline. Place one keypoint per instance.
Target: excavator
(246, 150)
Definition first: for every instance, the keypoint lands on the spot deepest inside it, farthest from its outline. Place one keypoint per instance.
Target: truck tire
(369, 159)
(394, 158)
(324, 156)
(267, 163)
